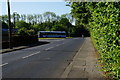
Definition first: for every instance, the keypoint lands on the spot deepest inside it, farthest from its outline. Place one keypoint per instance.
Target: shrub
(105, 28)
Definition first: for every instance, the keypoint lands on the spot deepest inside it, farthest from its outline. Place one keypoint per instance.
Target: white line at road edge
(3, 64)
(30, 55)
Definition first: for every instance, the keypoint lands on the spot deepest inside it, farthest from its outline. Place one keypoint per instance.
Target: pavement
(85, 65)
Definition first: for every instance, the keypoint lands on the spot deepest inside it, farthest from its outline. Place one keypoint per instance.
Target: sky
(39, 7)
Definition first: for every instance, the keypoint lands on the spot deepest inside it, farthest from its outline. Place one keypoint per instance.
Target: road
(44, 61)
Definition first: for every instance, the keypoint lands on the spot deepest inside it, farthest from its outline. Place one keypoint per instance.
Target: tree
(5, 18)
(80, 12)
(21, 24)
(35, 19)
(49, 16)
(102, 19)
(40, 18)
(23, 17)
(58, 27)
(58, 18)
(22, 31)
(17, 16)
(4, 25)
(68, 16)
(38, 27)
(47, 21)
(30, 18)
(66, 24)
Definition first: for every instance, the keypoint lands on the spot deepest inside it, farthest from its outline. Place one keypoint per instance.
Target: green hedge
(105, 32)
(103, 21)
(20, 41)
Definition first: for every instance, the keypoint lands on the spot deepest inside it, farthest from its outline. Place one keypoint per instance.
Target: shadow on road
(38, 43)
(23, 46)
(6, 44)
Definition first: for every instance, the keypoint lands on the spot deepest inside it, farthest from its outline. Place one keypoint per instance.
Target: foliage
(22, 31)
(58, 27)
(32, 23)
(104, 26)
(24, 28)
(49, 16)
(38, 27)
(21, 24)
(4, 25)
(81, 14)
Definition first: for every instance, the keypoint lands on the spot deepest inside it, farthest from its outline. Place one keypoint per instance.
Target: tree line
(32, 23)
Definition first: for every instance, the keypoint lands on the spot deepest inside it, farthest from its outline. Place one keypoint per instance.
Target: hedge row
(105, 33)
(103, 21)
(20, 41)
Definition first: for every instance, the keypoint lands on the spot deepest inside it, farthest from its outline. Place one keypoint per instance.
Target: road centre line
(30, 55)
(49, 48)
(60, 44)
(3, 64)
(55, 46)
(63, 43)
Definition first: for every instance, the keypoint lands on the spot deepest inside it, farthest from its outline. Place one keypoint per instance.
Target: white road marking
(49, 48)
(55, 46)
(30, 55)
(58, 45)
(63, 43)
(3, 64)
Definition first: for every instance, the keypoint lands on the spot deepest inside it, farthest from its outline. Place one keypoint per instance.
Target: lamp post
(9, 24)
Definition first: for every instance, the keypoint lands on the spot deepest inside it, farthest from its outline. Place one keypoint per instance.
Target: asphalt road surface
(44, 61)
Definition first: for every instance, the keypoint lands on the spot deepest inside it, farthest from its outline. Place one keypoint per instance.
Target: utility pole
(10, 28)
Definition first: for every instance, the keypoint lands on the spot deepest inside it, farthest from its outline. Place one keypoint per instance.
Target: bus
(51, 34)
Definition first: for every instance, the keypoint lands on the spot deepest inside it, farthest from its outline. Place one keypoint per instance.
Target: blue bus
(51, 34)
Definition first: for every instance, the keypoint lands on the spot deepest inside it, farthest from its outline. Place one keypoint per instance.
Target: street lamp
(10, 28)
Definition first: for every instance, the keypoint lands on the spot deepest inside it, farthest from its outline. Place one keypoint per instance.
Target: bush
(20, 41)
(105, 27)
